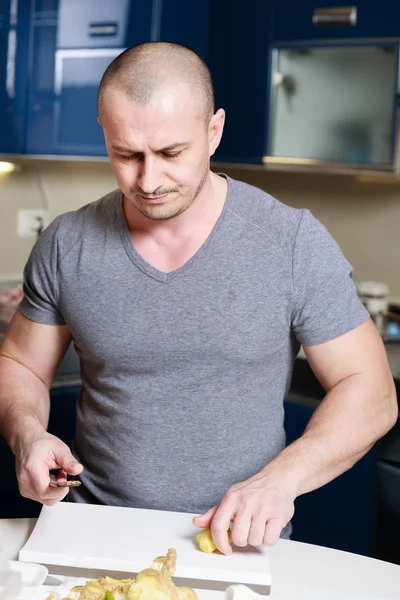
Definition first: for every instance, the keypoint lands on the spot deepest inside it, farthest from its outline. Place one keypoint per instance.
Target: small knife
(54, 482)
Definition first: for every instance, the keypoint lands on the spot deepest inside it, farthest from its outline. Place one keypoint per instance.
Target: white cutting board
(127, 540)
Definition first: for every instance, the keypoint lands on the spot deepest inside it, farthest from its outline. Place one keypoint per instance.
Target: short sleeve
(325, 304)
(40, 300)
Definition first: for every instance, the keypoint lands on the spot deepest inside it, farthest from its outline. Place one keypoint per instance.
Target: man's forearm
(352, 417)
(24, 403)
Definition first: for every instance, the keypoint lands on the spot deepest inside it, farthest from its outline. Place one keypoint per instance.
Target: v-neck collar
(146, 267)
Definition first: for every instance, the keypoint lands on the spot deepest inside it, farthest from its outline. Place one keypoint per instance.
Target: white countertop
(299, 571)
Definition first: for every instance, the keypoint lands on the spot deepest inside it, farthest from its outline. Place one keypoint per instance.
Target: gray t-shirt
(184, 373)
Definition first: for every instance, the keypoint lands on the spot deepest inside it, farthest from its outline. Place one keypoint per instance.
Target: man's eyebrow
(166, 149)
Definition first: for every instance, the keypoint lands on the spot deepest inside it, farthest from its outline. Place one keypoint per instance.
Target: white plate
(42, 592)
(32, 574)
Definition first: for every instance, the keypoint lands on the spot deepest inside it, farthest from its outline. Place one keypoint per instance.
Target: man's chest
(130, 317)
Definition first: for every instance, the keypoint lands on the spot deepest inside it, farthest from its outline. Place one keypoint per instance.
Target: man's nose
(150, 176)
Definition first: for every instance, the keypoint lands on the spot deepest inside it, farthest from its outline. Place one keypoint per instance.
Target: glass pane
(334, 103)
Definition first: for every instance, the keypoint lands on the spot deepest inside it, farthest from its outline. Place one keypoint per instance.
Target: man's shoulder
(260, 210)
(68, 228)
(90, 214)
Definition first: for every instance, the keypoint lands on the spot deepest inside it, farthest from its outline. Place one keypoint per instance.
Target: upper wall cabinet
(70, 44)
(102, 24)
(308, 87)
(14, 27)
(335, 19)
(335, 104)
(188, 23)
(239, 61)
(71, 48)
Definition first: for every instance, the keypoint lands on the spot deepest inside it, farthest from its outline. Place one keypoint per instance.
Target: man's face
(159, 151)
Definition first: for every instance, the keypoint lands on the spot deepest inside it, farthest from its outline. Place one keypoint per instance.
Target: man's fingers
(241, 528)
(35, 484)
(34, 464)
(257, 529)
(61, 475)
(205, 519)
(54, 496)
(220, 526)
(273, 530)
(68, 463)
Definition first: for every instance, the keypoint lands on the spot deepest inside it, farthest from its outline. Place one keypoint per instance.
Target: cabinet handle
(11, 54)
(100, 29)
(13, 13)
(345, 16)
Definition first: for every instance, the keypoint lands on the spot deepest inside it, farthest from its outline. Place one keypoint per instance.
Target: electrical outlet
(30, 223)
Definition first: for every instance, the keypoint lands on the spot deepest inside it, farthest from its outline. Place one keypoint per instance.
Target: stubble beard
(164, 212)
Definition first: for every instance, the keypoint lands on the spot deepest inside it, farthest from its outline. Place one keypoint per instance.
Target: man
(187, 295)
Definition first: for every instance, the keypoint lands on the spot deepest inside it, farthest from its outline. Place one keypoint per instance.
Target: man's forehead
(171, 106)
(134, 147)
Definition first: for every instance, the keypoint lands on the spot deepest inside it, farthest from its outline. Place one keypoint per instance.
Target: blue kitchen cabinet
(294, 94)
(239, 63)
(187, 23)
(14, 31)
(294, 20)
(340, 514)
(39, 126)
(71, 48)
(67, 64)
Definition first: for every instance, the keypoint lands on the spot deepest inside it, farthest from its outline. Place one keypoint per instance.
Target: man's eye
(172, 155)
(131, 157)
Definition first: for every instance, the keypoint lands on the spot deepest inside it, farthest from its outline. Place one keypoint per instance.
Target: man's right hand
(35, 459)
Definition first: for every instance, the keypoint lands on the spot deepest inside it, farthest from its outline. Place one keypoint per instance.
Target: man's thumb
(68, 463)
(205, 520)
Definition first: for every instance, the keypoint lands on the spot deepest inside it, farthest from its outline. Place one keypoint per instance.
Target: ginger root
(206, 542)
(156, 582)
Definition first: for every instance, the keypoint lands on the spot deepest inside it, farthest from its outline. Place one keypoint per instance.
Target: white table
(295, 567)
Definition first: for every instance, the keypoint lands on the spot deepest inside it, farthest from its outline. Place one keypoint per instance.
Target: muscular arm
(359, 408)
(29, 357)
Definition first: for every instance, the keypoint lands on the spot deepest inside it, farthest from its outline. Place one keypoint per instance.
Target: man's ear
(99, 122)
(215, 130)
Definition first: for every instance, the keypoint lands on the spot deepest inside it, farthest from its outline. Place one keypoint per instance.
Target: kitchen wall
(364, 217)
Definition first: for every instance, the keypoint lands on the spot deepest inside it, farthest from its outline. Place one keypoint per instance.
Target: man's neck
(169, 244)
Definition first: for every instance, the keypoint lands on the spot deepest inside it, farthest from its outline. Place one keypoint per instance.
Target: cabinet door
(187, 23)
(77, 78)
(239, 51)
(313, 20)
(93, 23)
(340, 514)
(62, 111)
(14, 33)
(335, 103)
(104, 24)
(40, 109)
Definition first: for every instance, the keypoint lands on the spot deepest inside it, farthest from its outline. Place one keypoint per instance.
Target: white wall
(363, 217)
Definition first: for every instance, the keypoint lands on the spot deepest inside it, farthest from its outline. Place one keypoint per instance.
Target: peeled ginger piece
(206, 542)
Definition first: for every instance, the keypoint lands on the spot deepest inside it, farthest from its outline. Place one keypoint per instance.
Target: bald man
(187, 295)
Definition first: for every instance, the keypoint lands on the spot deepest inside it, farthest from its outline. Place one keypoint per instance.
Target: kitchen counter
(299, 571)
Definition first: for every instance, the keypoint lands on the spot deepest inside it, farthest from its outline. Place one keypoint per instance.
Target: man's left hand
(258, 508)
